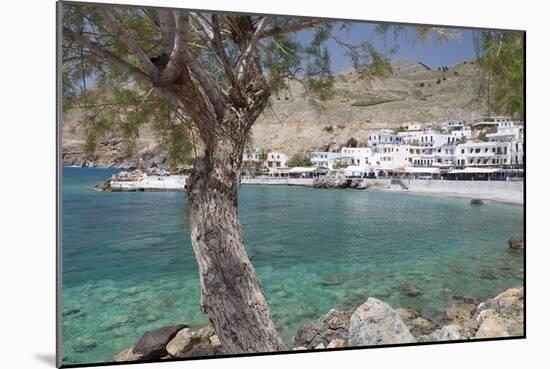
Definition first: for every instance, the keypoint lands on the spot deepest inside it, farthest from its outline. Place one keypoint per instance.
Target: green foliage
(415, 142)
(501, 57)
(482, 136)
(328, 129)
(372, 101)
(298, 160)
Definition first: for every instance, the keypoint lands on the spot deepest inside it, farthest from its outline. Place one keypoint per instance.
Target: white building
(444, 156)
(391, 156)
(507, 131)
(483, 154)
(421, 156)
(251, 156)
(486, 122)
(357, 156)
(452, 124)
(325, 159)
(385, 136)
(462, 134)
(276, 159)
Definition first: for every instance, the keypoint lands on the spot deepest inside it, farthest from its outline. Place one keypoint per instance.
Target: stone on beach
(501, 316)
(127, 355)
(515, 243)
(461, 313)
(410, 289)
(152, 345)
(333, 325)
(376, 323)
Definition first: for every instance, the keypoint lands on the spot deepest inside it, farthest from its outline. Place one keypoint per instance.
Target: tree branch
(167, 27)
(243, 61)
(276, 30)
(106, 54)
(125, 36)
(210, 88)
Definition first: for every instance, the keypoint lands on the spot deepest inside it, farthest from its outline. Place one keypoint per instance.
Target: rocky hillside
(413, 94)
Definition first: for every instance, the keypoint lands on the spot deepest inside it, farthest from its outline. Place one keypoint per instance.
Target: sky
(409, 47)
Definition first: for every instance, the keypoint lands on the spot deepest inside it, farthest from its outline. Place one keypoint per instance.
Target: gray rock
(410, 289)
(447, 333)
(515, 243)
(476, 202)
(376, 323)
(461, 313)
(333, 325)
(127, 355)
(152, 345)
(501, 316)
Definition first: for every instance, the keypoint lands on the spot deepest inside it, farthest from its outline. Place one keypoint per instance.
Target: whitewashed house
(276, 159)
(252, 156)
(490, 121)
(391, 156)
(483, 154)
(452, 124)
(356, 156)
(325, 159)
(385, 136)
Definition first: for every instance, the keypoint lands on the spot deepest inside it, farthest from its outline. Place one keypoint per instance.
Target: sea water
(128, 264)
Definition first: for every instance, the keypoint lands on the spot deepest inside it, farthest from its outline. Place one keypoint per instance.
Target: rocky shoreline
(372, 323)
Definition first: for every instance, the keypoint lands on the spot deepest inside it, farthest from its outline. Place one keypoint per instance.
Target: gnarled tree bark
(232, 296)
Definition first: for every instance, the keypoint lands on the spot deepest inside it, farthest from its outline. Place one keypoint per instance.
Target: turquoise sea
(128, 265)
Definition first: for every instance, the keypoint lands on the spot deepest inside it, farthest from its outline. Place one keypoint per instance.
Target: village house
(276, 159)
(385, 136)
(325, 159)
(357, 156)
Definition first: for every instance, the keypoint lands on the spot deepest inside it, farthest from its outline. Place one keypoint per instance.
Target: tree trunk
(231, 294)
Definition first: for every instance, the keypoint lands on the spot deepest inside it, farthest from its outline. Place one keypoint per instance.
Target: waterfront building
(391, 156)
(444, 156)
(358, 156)
(421, 156)
(252, 157)
(276, 159)
(325, 159)
(482, 154)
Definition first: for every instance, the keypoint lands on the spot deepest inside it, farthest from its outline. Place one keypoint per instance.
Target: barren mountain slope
(294, 125)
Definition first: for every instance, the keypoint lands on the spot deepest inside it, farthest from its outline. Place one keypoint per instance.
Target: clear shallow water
(128, 264)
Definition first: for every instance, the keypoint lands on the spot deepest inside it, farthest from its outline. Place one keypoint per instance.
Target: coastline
(492, 199)
(372, 323)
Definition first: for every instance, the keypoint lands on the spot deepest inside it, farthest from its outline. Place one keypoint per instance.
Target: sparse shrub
(328, 129)
(421, 84)
(438, 81)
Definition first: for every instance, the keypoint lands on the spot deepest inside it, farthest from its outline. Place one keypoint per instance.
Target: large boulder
(190, 342)
(461, 313)
(376, 323)
(501, 316)
(152, 345)
(515, 243)
(418, 325)
(331, 326)
(127, 355)
(451, 332)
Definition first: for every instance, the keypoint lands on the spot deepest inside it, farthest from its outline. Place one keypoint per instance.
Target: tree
(501, 57)
(214, 74)
(298, 160)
